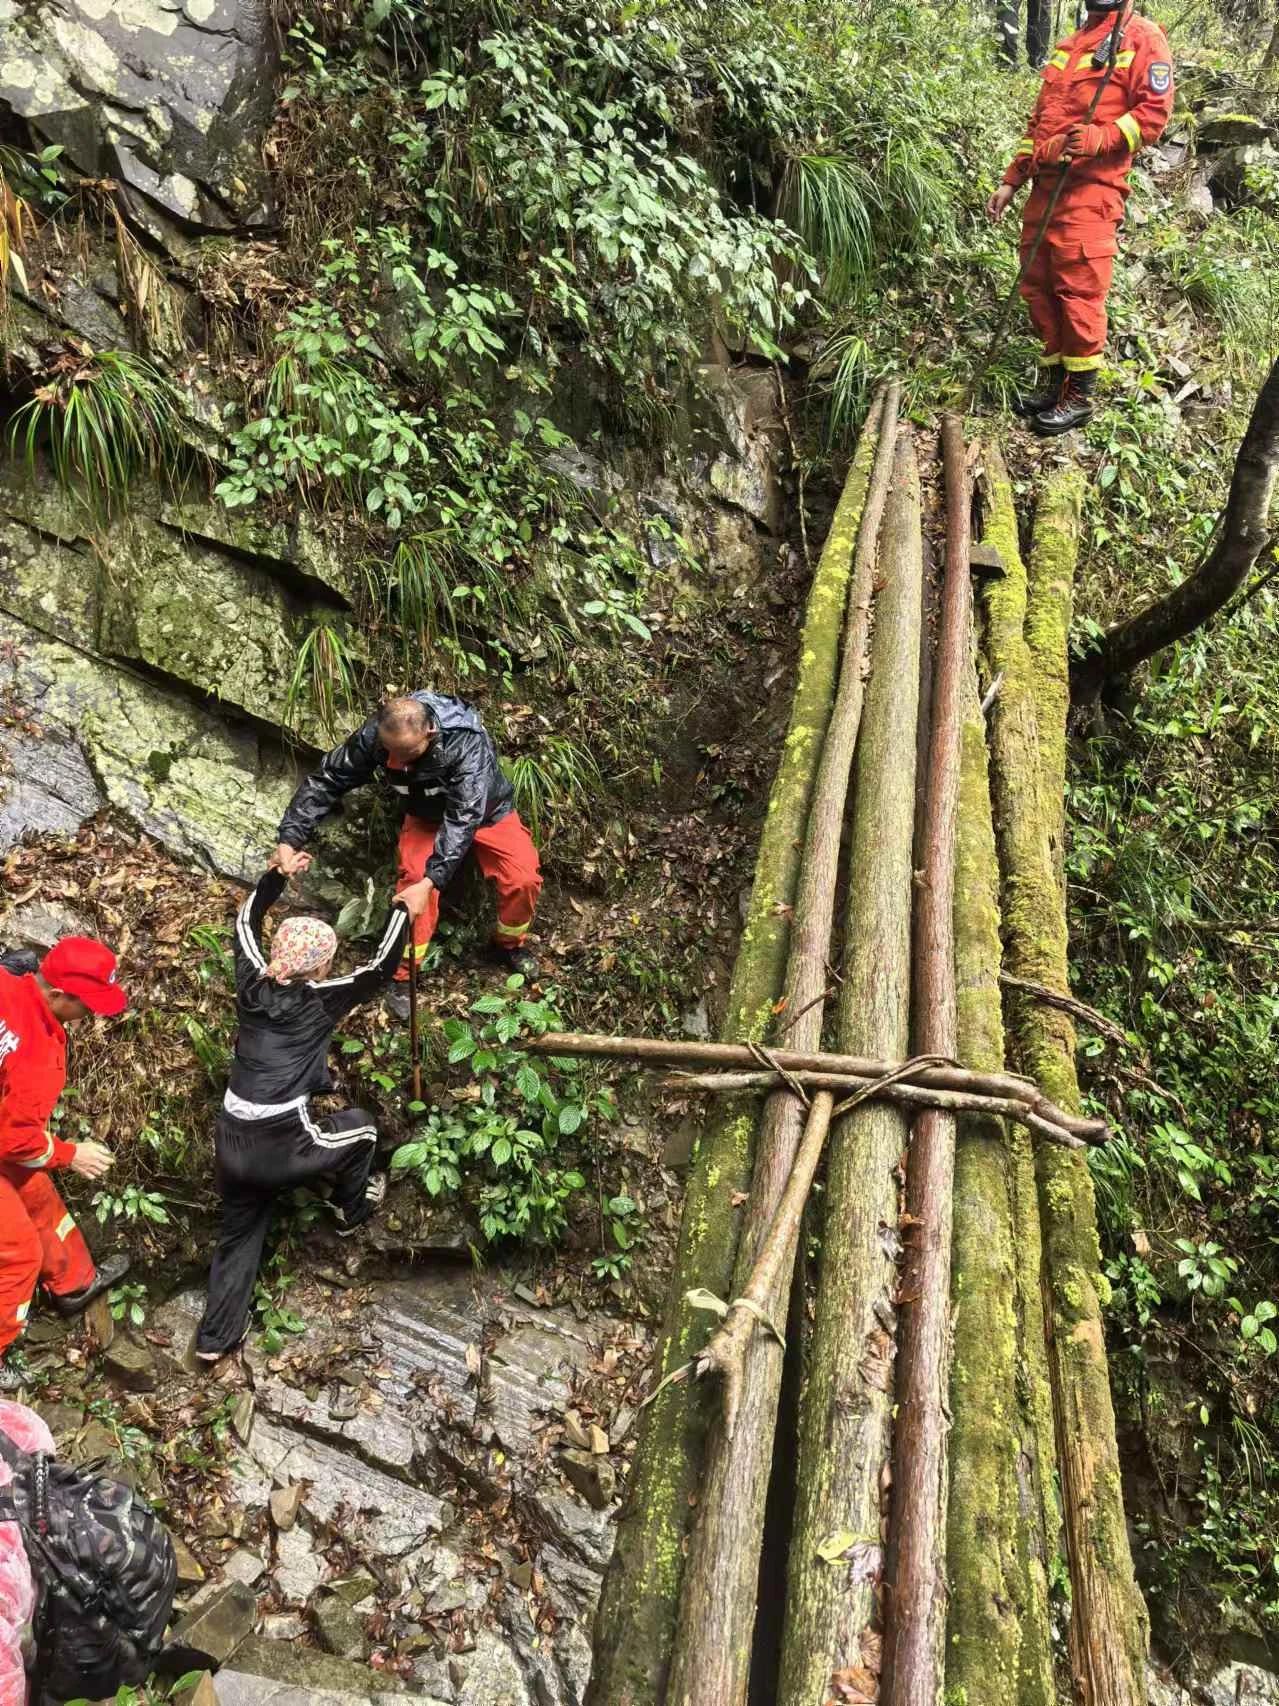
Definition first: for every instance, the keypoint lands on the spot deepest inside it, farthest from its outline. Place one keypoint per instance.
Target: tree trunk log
(998, 1629)
(916, 1600)
(1242, 536)
(1037, 1423)
(635, 1622)
(1108, 1625)
(844, 1420)
(1050, 603)
(711, 1661)
(661, 1051)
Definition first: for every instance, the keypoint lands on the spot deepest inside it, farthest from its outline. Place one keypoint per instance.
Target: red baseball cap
(80, 966)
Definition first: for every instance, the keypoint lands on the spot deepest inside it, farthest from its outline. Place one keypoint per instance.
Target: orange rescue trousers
(505, 853)
(1065, 288)
(39, 1241)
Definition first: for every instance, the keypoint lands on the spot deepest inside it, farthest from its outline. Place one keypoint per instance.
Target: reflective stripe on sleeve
(66, 1226)
(1131, 131)
(1060, 60)
(41, 1160)
(20, 1313)
(1025, 146)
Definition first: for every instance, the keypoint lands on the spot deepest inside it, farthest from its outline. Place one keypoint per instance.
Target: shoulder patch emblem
(1160, 76)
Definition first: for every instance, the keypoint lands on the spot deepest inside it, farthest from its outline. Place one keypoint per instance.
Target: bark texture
(711, 1661)
(916, 1605)
(999, 1635)
(1108, 1625)
(1241, 537)
(635, 1622)
(844, 1420)
(660, 1051)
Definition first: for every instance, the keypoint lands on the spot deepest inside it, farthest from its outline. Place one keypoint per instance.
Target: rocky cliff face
(147, 660)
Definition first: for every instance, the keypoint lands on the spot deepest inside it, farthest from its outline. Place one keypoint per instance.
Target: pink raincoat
(17, 1589)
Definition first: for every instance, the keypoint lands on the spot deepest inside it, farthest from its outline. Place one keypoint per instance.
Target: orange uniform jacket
(1066, 284)
(33, 1071)
(1137, 102)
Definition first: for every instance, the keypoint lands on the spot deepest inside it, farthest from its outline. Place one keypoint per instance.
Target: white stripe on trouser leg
(21, 1312)
(66, 1226)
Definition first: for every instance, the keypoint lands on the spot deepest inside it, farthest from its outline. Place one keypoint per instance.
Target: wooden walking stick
(414, 1050)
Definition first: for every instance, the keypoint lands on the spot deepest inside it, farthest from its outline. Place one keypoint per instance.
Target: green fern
(559, 775)
(326, 679)
(105, 419)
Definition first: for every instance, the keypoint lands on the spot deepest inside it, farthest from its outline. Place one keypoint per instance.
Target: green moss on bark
(999, 1637)
(1050, 595)
(1108, 1620)
(636, 1619)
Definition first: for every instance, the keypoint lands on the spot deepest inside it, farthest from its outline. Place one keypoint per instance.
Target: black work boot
(514, 960)
(110, 1272)
(1073, 407)
(1035, 402)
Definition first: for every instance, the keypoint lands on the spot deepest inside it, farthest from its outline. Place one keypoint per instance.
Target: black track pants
(258, 1158)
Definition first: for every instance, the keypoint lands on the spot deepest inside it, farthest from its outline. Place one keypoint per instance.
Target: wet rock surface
(401, 1498)
(172, 99)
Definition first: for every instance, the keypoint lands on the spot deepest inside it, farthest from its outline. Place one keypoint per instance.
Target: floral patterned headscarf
(301, 945)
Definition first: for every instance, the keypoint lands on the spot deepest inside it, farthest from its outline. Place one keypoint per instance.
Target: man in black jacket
(434, 752)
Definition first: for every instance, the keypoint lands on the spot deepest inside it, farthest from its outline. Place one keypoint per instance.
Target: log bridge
(877, 1461)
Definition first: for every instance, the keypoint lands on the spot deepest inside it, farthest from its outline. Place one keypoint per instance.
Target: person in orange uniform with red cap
(39, 1239)
(1066, 282)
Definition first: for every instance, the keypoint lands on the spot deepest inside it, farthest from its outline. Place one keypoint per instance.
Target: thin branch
(1067, 1004)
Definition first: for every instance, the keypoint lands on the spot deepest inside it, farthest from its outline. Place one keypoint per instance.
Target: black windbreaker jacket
(456, 783)
(281, 1052)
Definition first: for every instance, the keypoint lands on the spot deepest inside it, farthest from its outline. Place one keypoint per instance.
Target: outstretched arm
(347, 766)
(250, 955)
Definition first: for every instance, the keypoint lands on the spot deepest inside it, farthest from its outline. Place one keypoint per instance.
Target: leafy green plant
(104, 418)
(504, 1144)
(152, 1693)
(1205, 1266)
(277, 1323)
(131, 1204)
(1254, 1328)
(129, 1303)
(623, 1231)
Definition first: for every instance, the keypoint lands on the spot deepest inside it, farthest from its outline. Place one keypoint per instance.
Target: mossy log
(635, 1621)
(712, 1656)
(914, 1646)
(845, 1416)
(1050, 603)
(998, 1631)
(1108, 1625)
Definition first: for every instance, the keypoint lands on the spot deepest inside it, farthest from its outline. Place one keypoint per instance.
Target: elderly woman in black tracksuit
(268, 1140)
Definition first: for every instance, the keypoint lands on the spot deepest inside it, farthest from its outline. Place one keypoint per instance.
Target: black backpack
(105, 1575)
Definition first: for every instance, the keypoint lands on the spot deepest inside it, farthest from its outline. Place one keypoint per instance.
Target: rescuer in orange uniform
(1066, 283)
(39, 1239)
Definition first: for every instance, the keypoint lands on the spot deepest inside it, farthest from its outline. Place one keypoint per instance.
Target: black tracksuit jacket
(282, 1049)
(456, 783)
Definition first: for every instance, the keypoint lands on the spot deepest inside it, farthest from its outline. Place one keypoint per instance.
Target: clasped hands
(1077, 142)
